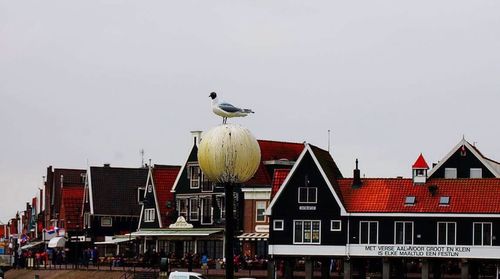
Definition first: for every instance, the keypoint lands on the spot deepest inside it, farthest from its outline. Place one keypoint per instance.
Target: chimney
(196, 137)
(107, 165)
(356, 180)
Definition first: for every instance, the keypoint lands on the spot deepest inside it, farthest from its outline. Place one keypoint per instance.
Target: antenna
(142, 157)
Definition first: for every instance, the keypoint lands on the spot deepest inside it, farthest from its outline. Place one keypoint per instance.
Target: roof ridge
(285, 142)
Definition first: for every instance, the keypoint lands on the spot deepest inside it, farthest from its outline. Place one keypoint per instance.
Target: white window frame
(206, 201)
(106, 221)
(277, 227)
(404, 232)
(308, 197)
(360, 231)
(478, 173)
(204, 181)
(222, 207)
(446, 233)
(303, 242)
(262, 207)
(184, 213)
(482, 233)
(139, 197)
(195, 178)
(149, 215)
(335, 222)
(86, 220)
(450, 173)
(194, 209)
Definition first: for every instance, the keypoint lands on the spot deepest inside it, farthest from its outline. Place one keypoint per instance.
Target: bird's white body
(226, 110)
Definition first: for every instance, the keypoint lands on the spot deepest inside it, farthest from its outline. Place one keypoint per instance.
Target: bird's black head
(213, 95)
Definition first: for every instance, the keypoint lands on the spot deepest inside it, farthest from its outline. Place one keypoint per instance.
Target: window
(306, 232)
(476, 173)
(368, 232)
(419, 172)
(193, 209)
(206, 185)
(149, 215)
(86, 220)
(206, 211)
(403, 232)
(182, 205)
(444, 200)
(335, 225)
(410, 200)
(278, 225)
(194, 174)
(141, 191)
(260, 208)
(106, 222)
(482, 234)
(308, 195)
(446, 233)
(450, 173)
(222, 207)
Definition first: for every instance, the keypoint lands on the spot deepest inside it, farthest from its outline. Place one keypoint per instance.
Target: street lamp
(229, 154)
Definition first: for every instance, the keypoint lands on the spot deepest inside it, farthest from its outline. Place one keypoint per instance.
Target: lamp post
(229, 154)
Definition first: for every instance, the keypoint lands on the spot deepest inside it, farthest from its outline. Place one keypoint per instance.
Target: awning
(57, 242)
(31, 245)
(177, 232)
(114, 241)
(254, 236)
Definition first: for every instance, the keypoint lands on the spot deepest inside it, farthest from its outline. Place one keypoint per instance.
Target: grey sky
(97, 81)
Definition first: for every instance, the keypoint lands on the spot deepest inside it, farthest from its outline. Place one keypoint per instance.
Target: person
(190, 262)
(95, 256)
(236, 261)
(204, 263)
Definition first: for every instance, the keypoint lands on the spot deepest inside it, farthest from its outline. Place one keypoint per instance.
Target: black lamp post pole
(229, 232)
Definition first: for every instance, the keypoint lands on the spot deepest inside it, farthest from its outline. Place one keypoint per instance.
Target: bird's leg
(224, 120)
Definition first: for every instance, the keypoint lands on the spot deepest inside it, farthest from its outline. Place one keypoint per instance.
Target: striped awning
(254, 236)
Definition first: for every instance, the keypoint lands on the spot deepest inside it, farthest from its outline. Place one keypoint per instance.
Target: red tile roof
(278, 179)
(71, 208)
(274, 150)
(164, 178)
(387, 195)
(420, 163)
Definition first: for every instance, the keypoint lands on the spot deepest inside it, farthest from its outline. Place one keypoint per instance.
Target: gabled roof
(71, 207)
(387, 195)
(420, 163)
(110, 184)
(491, 165)
(164, 178)
(326, 166)
(70, 178)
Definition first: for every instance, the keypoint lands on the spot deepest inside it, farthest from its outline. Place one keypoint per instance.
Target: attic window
(445, 200)
(410, 200)
(450, 173)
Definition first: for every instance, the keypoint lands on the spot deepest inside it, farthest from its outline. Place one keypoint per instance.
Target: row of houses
(298, 207)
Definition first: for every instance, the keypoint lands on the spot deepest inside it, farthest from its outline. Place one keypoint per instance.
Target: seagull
(226, 109)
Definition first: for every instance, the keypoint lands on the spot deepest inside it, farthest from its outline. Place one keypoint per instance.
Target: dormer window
(410, 200)
(444, 200)
(308, 194)
(450, 173)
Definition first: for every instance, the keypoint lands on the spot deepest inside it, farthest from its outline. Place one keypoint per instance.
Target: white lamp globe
(229, 153)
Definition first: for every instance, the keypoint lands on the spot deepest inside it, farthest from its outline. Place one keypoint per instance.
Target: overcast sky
(96, 81)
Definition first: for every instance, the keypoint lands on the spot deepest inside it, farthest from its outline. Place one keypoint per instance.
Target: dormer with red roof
(419, 170)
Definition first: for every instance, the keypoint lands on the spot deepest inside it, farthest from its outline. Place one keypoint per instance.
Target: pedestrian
(204, 263)
(190, 262)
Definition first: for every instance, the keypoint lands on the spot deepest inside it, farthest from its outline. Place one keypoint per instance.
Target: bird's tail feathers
(248, 111)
